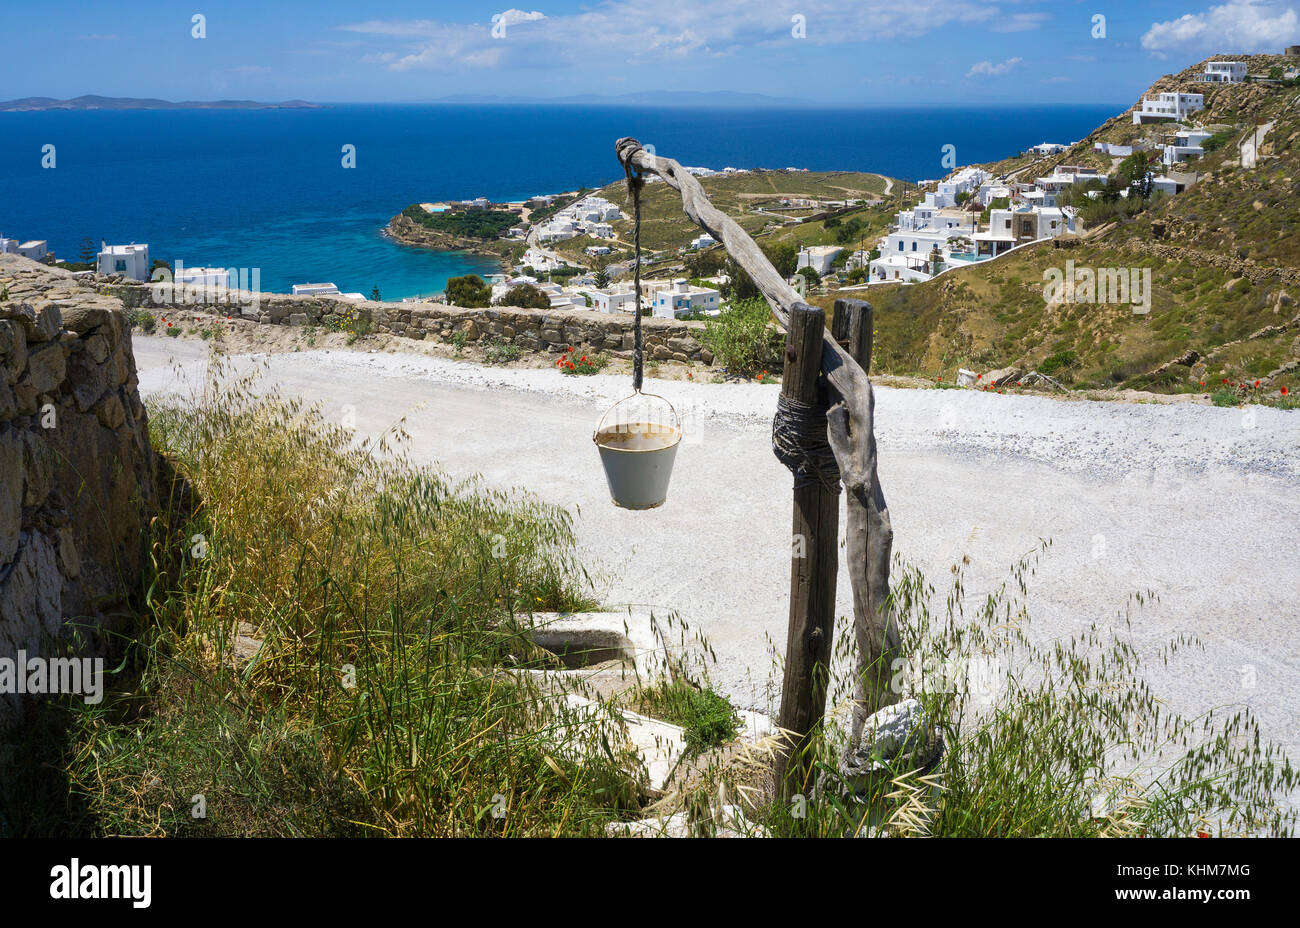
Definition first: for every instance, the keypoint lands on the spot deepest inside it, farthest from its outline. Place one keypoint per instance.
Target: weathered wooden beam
(868, 543)
(814, 565)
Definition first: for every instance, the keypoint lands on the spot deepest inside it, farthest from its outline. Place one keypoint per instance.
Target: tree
(469, 291)
(525, 296)
(374, 294)
(602, 278)
(810, 275)
(87, 250)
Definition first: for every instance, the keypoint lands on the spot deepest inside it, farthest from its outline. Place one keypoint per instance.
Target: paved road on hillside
(1197, 503)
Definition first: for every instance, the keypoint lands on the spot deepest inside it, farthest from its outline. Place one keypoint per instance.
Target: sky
(855, 52)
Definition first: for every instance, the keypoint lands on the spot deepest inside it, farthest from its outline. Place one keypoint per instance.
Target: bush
(525, 296)
(743, 338)
(142, 320)
(470, 291)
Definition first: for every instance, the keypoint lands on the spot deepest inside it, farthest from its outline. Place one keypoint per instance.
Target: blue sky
(867, 52)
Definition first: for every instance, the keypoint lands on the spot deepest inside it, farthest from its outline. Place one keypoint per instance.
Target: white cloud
(1243, 26)
(619, 32)
(988, 68)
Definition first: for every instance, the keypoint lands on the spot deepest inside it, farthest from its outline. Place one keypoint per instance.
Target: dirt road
(1197, 503)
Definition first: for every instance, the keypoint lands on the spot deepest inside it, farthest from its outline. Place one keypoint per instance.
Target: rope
(635, 181)
(799, 442)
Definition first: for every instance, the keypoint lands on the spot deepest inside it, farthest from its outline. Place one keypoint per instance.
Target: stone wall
(78, 478)
(530, 329)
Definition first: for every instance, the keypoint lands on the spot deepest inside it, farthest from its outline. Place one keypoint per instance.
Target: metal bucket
(638, 456)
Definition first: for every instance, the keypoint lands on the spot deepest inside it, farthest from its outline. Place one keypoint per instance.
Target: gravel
(1196, 503)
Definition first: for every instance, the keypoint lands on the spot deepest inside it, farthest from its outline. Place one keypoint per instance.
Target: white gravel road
(1199, 504)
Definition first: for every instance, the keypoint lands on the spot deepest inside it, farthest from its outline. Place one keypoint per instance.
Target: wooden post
(853, 327)
(868, 543)
(814, 564)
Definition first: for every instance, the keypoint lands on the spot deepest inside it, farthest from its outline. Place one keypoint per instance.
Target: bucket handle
(677, 419)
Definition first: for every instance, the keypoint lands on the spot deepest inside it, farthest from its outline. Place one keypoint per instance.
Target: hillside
(1223, 257)
(753, 199)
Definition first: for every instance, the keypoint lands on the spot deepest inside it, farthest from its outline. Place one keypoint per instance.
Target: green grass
(1046, 737)
(386, 597)
(709, 719)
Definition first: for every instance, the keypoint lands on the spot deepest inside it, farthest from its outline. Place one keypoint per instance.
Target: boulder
(1001, 377)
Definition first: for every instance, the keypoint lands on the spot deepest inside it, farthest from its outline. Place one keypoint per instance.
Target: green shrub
(743, 338)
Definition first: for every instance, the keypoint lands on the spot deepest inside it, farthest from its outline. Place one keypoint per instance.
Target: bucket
(638, 453)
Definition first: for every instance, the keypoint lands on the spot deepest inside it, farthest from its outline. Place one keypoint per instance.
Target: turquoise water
(266, 188)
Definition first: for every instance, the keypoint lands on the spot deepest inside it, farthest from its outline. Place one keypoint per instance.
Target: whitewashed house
(36, 249)
(704, 240)
(314, 290)
(201, 276)
(1224, 72)
(616, 299)
(681, 299)
(819, 258)
(1048, 148)
(1186, 145)
(1176, 106)
(8, 246)
(127, 260)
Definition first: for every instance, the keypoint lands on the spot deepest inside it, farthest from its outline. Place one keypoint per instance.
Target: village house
(314, 290)
(681, 299)
(819, 258)
(1224, 72)
(1175, 106)
(127, 260)
(36, 249)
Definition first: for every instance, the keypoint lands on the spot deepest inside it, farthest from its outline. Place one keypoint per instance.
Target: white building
(682, 298)
(1176, 106)
(36, 249)
(704, 240)
(818, 257)
(1186, 145)
(127, 260)
(1048, 148)
(315, 290)
(1224, 72)
(617, 299)
(8, 246)
(201, 276)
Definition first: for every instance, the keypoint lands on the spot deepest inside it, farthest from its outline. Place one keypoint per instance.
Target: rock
(13, 349)
(41, 321)
(1035, 379)
(46, 368)
(1001, 377)
(11, 494)
(109, 412)
(895, 739)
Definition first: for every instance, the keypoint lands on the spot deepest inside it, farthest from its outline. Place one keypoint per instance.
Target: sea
(268, 188)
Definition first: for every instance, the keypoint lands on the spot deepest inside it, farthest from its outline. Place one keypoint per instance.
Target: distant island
(93, 102)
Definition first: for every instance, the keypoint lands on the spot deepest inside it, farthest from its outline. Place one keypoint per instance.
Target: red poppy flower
(1202, 834)
(1284, 391)
(1257, 383)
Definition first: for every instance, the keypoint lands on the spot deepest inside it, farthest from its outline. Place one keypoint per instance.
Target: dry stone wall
(78, 478)
(531, 329)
